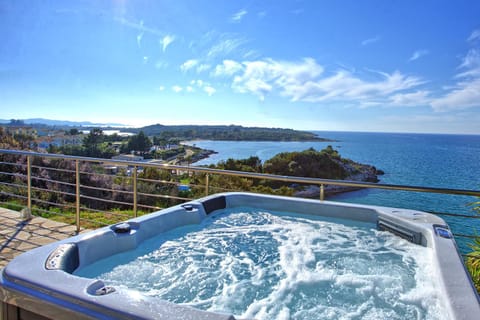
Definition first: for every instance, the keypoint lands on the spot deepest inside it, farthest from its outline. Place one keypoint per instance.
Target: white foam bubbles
(265, 265)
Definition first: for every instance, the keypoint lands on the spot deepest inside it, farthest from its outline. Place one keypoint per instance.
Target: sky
(359, 65)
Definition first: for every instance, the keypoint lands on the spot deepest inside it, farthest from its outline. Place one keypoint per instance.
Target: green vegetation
(233, 133)
(53, 189)
(310, 163)
(473, 260)
(326, 164)
(98, 145)
(95, 144)
(151, 142)
(15, 139)
(138, 143)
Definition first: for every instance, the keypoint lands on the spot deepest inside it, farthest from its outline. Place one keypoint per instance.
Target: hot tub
(241, 255)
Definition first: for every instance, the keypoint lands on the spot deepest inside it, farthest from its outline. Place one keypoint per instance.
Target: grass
(88, 219)
(472, 262)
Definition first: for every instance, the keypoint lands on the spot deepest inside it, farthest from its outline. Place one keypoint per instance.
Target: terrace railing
(92, 192)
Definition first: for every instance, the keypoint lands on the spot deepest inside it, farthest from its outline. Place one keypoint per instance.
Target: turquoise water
(270, 265)
(430, 160)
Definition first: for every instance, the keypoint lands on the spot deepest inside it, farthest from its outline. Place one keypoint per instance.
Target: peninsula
(310, 163)
(227, 133)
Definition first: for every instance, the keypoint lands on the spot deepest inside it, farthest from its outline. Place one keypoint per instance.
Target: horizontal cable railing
(86, 191)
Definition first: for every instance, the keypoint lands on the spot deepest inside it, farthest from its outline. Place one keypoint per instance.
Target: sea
(426, 160)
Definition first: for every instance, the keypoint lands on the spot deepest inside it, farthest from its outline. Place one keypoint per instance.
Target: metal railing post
(29, 183)
(77, 194)
(322, 192)
(135, 191)
(206, 184)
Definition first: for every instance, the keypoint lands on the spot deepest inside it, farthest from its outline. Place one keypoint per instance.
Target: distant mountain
(62, 123)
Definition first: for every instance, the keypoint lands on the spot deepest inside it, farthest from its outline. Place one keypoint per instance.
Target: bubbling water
(265, 265)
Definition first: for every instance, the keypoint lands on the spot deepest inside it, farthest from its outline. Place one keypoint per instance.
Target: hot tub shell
(40, 283)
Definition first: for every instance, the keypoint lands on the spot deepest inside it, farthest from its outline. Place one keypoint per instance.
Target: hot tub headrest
(65, 257)
(213, 204)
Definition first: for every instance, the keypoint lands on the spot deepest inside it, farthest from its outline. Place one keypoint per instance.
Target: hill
(231, 133)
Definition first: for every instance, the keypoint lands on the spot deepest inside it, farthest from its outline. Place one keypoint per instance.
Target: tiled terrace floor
(18, 235)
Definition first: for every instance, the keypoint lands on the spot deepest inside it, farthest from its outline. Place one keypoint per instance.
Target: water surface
(276, 265)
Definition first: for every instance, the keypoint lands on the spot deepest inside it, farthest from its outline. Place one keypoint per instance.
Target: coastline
(356, 172)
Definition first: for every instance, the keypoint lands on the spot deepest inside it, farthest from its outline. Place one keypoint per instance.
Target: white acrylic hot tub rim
(55, 293)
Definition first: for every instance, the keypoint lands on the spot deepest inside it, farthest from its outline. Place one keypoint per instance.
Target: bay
(428, 160)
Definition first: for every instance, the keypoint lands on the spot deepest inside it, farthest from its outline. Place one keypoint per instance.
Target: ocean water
(258, 264)
(429, 160)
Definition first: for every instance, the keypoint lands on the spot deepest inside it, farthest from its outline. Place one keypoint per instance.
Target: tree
(92, 142)
(73, 132)
(159, 141)
(15, 122)
(140, 143)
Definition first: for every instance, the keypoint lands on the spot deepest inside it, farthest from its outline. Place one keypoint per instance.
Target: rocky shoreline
(357, 173)
(205, 153)
(313, 191)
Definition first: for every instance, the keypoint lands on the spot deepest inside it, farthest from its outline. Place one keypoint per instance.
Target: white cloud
(370, 40)
(161, 64)
(203, 67)
(139, 39)
(305, 81)
(199, 83)
(205, 86)
(209, 90)
(177, 89)
(166, 41)
(411, 99)
(465, 95)
(225, 47)
(227, 68)
(471, 60)
(194, 64)
(261, 77)
(189, 64)
(474, 36)
(161, 88)
(418, 54)
(251, 54)
(238, 16)
(139, 26)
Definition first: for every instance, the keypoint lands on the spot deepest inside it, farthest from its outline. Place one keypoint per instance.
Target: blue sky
(395, 66)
